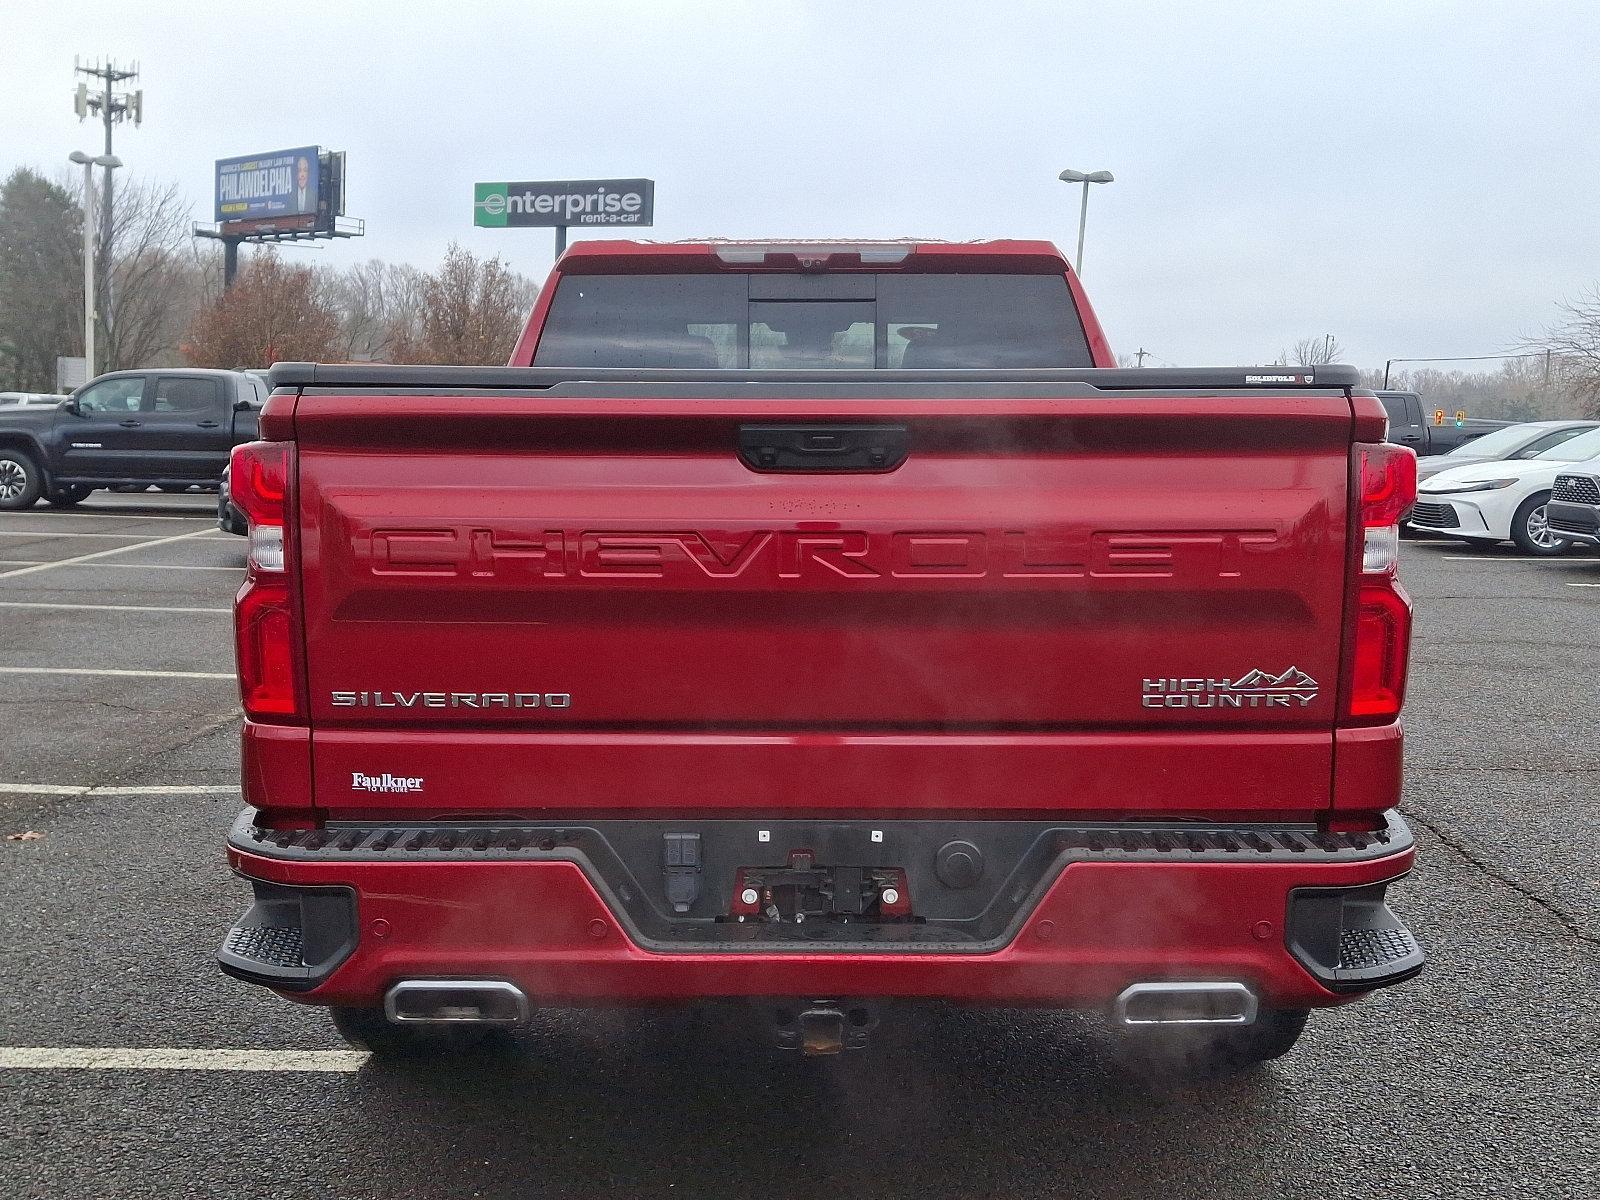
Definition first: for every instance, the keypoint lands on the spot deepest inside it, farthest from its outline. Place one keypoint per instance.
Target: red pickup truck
(820, 626)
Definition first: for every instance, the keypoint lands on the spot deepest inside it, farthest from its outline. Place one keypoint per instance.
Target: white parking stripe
(88, 1058)
(47, 533)
(89, 514)
(105, 566)
(1500, 558)
(90, 789)
(1583, 585)
(130, 674)
(177, 537)
(112, 607)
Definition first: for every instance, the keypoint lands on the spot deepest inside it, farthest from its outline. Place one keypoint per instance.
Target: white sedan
(1494, 502)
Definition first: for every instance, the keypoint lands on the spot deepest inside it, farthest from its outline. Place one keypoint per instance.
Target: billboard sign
(628, 202)
(284, 183)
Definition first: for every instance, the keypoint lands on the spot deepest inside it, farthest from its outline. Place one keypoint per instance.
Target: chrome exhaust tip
(1185, 1003)
(456, 1002)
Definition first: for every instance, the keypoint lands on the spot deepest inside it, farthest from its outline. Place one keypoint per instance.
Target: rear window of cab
(841, 321)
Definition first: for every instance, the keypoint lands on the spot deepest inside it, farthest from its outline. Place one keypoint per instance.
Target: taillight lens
(1381, 638)
(259, 477)
(1382, 642)
(1388, 490)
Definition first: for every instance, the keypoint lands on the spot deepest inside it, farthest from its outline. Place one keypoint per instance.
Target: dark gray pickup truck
(1411, 424)
(172, 427)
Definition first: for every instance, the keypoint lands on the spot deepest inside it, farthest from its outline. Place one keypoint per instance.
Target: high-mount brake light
(867, 253)
(1387, 479)
(259, 477)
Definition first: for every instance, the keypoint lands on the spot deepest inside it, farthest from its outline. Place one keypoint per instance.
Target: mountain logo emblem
(1292, 680)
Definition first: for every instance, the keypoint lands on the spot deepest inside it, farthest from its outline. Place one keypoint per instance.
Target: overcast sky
(1415, 178)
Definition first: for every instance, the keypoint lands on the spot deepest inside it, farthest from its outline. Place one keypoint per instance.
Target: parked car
(1410, 424)
(172, 427)
(1491, 502)
(1514, 443)
(1574, 508)
(733, 643)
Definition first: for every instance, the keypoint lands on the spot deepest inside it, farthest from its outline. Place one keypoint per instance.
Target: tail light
(259, 479)
(1381, 637)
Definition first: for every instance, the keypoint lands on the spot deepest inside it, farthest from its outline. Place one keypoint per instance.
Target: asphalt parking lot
(117, 745)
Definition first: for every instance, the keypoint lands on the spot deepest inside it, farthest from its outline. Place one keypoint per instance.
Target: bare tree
(272, 313)
(1313, 352)
(41, 279)
(472, 312)
(160, 277)
(1572, 347)
(379, 304)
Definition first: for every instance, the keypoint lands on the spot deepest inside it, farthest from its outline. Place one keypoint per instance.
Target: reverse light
(1381, 638)
(265, 640)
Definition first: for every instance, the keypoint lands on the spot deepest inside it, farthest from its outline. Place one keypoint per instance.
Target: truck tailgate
(1107, 603)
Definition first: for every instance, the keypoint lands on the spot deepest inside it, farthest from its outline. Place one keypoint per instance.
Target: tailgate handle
(823, 448)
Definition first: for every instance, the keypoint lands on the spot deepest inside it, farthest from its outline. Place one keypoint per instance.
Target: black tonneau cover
(596, 380)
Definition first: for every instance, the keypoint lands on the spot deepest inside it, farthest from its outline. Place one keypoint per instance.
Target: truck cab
(1412, 424)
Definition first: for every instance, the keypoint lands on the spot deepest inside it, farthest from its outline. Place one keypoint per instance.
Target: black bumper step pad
(292, 938)
(1349, 938)
(267, 946)
(532, 841)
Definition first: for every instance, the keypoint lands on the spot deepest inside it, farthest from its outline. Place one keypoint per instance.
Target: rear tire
(1218, 1051)
(370, 1029)
(21, 481)
(70, 496)
(1530, 529)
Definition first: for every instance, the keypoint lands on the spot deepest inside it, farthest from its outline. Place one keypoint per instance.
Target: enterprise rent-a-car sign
(280, 184)
(564, 202)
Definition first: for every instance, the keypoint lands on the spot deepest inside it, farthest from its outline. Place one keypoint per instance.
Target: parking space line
(111, 607)
(1509, 558)
(90, 1058)
(91, 514)
(91, 789)
(105, 566)
(52, 533)
(177, 537)
(105, 671)
(1583, 585)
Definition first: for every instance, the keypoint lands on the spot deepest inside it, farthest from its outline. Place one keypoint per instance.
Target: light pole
(89, 163)
(1083, 213)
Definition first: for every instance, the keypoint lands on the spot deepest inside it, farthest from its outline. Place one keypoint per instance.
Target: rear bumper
(1298, 917)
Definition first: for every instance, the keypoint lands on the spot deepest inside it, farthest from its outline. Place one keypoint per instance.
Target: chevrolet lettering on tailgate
(527, 552)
